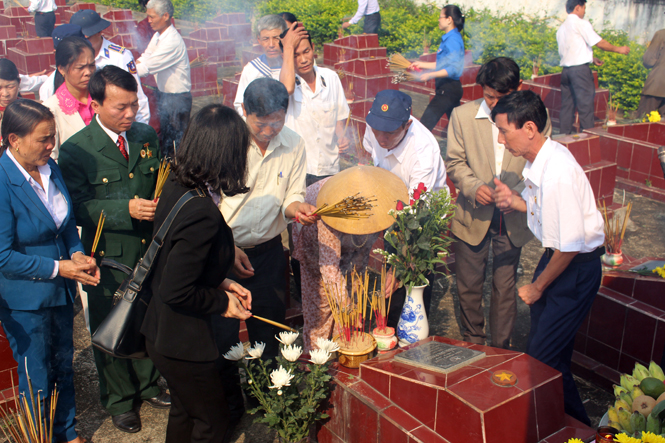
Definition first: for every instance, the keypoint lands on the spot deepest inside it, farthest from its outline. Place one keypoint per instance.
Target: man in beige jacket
(653, 94)
(473, 160)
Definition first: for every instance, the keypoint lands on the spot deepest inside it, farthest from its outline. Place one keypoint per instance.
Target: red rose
(416, 194)
(400, 205)
(411, 202)
(421, 187)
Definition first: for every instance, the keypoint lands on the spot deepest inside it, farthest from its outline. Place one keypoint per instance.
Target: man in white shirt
(44, 11)
(473, 158)
(561, 212)
(276, 169)
(401, 144)
(166, 58)
(576, 39)
(269, 64)
(370, 10)
(317, 107)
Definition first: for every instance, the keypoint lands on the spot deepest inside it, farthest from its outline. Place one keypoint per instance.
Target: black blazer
(197, 253)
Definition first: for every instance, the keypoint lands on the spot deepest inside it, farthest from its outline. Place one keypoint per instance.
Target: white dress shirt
(31, 84)
(314, 116)
(275, 181)
(499, 149)
(114, 135)
(53, 200)
(417, 158)
(561, 207)
(166, 58)
(42, 6)
(576, 39)
(257, 68)
(365, 7)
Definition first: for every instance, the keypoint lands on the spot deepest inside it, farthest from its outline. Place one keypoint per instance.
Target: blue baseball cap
(390, 110)
(64, 31)
(90, 22)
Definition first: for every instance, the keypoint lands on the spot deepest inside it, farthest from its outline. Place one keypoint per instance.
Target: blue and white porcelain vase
(413, 325)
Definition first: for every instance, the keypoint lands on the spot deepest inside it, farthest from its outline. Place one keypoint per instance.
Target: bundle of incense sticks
(351, 207)
(614, 231)
(162, 175)
(397, 62)
(378, 301)
(28, 424)
(198, 62)
(98, 233)
(349, 313)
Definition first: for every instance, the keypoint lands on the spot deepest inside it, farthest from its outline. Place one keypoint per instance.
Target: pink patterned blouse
(70, 105)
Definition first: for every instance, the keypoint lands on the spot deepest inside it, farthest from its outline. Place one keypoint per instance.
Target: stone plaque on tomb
(439, 357)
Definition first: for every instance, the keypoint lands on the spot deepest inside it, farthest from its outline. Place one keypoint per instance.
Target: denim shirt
(450, 55)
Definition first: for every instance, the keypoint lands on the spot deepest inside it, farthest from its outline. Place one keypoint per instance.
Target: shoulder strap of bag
(142, 269)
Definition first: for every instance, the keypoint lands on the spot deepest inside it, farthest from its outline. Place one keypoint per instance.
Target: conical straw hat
(371, 182)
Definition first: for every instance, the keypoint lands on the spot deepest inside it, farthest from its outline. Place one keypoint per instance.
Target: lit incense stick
(274, 323)
(98, 234)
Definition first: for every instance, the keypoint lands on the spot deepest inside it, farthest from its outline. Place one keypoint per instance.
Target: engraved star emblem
(503, 376)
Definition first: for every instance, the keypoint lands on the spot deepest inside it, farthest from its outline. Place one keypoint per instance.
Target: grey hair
(161, 7)
(268, 23)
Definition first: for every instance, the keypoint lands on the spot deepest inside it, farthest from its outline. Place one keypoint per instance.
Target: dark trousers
(43, 338)
(397, 302)
(448, 95)
(372, 23)
(577, 91)
(44, 23)
(174, 110)
(650, 103)
(199, 412)
(123, 382)
(470, 265)
(310, 179)
(555, 319)
(268, 287)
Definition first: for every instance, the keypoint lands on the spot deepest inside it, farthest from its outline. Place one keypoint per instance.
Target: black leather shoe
(162, 401)
(129, 422)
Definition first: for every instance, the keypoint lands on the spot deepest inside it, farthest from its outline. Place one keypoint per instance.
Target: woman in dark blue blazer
(41, 258)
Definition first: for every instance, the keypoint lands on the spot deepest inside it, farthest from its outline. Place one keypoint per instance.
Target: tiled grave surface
(388, 401)
(549, 88)
(601, 173)
(8, 366)
(634, 148)
(626, 325)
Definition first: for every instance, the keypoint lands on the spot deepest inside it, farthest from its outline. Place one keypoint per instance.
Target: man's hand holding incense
(142, 209)
(302, 213)
(485, 195)
(343, 144)
(242, 266)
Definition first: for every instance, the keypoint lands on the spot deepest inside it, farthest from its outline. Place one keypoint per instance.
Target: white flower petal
(326, 345)
(287, 338)
(256, 351)
(319, 356)
(292, 352)
(280, 378)
(235, 353)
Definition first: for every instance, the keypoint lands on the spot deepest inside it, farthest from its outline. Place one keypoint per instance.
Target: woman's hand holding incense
(80, 258)
(84, 273)
(142, 209)
(391, 284)
(243, 295)
(236, 309)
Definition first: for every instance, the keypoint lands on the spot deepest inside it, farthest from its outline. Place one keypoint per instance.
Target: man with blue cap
(401, 144)
(91, 25)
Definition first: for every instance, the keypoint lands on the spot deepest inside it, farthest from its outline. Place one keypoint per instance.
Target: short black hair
(570, 5)
(110, 75)
(213, 151)
(8, 71)
(283, 34)
(288, 17)
(66, 54)
(264, 96)
(501, 74)
(21, 118)
(521, 107)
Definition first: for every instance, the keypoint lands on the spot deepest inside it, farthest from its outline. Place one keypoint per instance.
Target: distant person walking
(166, 58)
(576, 39)
(370, 10)
(44, 11)
(447, 69)
(653, 94)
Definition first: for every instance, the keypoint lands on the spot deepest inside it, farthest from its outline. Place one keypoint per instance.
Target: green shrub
(194, 10)
(623, 75)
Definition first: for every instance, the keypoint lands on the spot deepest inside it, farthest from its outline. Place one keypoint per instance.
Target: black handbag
(120, 333)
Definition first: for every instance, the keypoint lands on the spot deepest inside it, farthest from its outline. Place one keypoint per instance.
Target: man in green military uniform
(112, 165)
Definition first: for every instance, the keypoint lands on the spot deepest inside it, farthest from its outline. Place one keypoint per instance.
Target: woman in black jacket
(188, 283)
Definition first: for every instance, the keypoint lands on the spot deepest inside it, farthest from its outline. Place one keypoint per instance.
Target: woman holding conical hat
(331, 248)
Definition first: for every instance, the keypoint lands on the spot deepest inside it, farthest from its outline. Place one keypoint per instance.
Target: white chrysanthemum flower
(326, 345)
(256, 351)
(287, 338)
(235, 353)
(280, 378)
(319, 356)
(291, 352)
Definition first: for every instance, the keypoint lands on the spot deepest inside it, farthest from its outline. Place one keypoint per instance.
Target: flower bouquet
(290, 395)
